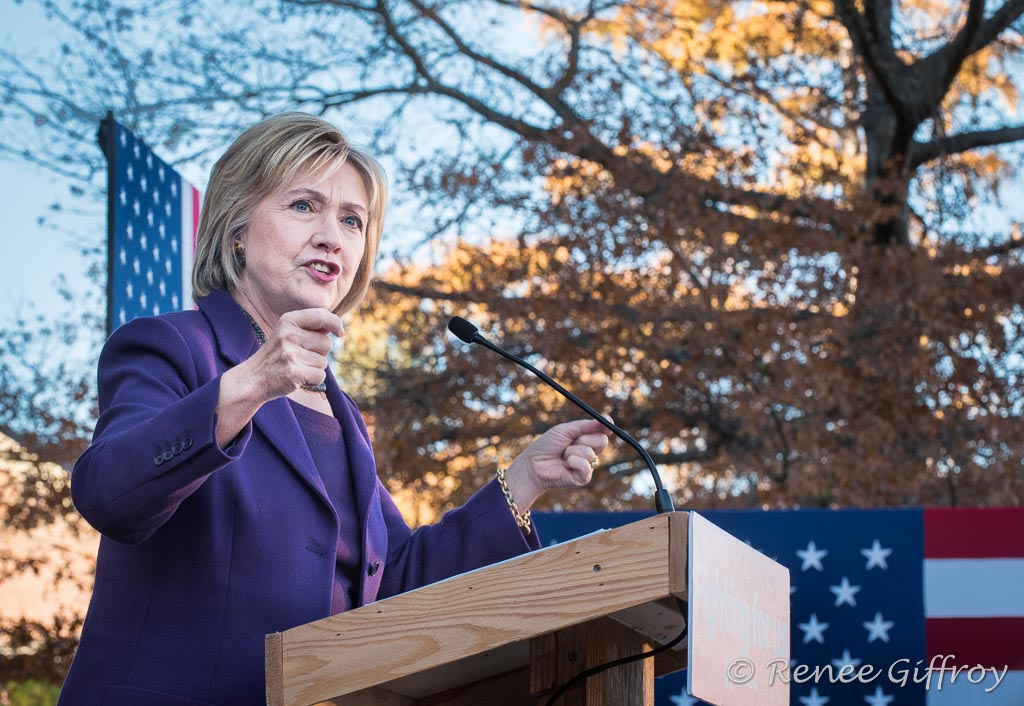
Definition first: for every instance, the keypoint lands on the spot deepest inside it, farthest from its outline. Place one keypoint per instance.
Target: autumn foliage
(759, 263)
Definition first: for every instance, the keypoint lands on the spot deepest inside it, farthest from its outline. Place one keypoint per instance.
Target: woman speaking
(231, 478)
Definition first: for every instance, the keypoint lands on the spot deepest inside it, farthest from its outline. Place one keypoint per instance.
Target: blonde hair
(263, 159)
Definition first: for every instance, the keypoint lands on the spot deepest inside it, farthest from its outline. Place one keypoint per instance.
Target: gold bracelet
(522, 518)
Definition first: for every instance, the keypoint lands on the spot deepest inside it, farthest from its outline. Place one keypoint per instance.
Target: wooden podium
(513, 632)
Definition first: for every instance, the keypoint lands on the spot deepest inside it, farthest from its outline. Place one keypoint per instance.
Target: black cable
(587, 673)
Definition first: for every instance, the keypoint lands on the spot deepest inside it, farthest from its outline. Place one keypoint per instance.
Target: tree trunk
(888, 137)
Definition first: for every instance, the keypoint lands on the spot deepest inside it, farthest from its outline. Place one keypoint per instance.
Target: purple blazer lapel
(233, 333)
(358, 451)
(363, 468)
(277, 422)
(236, 341)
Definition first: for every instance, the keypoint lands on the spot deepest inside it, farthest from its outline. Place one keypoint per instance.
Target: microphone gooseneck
(467, 332)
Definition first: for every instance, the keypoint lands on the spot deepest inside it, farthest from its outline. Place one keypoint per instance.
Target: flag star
(123, 256)
(136, 265)
(124, 198)
(149, 160)
(878, 629)
(174, 246)
(130, 231)
(174, 188)
(156, 253)
(129, 290)
(149, 217)
(814, 699)
(811, 556)
(137, 207)
(879, 698)
(142, 300)
(814, 630)
(167, 209)
(131, 173)
(876, 555)
(163, 293)
(124, 139)
(683, 699)
(143, 183)
(149, 277)
(845, 592)
(174, 301)
(845, 660)
(135, 150)
(122, 315)
(160, 172)
(162, 230)
(156, 310)
(167, 262)
(142, 241)
(156, 196)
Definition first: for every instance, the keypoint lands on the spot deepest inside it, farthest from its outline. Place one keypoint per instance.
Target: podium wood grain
(478, 625)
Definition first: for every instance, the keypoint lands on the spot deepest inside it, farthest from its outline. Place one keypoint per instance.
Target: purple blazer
(204, 551)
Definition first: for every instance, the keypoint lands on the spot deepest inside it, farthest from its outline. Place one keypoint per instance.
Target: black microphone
(467, 332)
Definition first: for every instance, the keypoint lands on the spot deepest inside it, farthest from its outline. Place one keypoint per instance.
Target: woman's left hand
(564, 456)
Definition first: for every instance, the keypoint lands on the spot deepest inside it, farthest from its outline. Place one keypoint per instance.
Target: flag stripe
(974, 532)
(195, 214)
(1010, 691)
(955, 588)
(973, 641)
(189, 226)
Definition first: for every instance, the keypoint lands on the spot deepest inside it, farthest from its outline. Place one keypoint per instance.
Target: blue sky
(33, 257)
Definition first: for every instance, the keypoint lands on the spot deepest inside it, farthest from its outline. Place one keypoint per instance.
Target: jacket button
(176, 449)
(373, 568)
(158, 459)
(167, 455)
(187, 444)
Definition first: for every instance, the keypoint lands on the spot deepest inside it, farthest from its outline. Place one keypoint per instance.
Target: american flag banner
(153, 215)
(890, 607)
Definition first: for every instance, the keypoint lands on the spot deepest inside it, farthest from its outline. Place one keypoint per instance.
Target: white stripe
(1010, 691)
(187, 254)
(973, 588)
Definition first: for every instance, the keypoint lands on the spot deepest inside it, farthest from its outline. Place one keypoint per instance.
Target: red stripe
(973, 533)
(990, 642)
(195, 216)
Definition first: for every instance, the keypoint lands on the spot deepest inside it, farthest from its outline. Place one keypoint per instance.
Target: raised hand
(294, 354)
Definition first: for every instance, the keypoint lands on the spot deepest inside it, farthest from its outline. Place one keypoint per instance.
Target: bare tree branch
(941, 68)
(923, 152)
(881, 59)
(995, 25)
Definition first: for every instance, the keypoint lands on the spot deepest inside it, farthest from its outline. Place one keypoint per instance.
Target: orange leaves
(720, 257)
